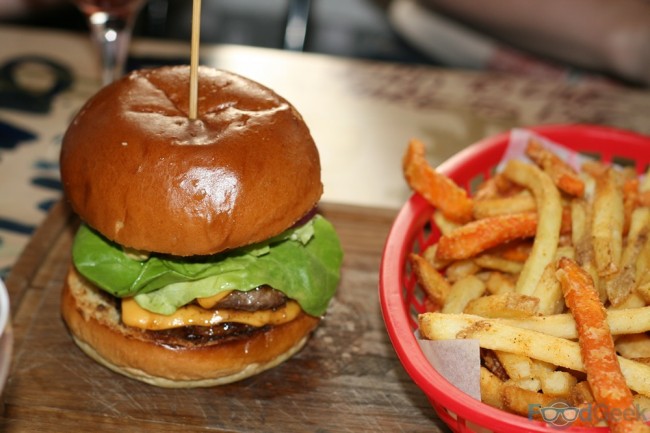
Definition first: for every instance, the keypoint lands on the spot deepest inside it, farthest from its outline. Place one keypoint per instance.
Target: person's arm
(606, 35)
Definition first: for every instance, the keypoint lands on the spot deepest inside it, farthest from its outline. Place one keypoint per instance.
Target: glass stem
(112, 34)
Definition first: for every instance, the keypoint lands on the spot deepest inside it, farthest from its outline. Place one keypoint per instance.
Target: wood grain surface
(347, 378)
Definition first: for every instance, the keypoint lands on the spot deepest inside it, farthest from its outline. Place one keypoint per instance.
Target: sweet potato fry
(480, 235)
(563, 175)
(436, 188)
(597, 346)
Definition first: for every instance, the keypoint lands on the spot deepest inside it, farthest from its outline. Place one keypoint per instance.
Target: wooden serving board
(347, 378)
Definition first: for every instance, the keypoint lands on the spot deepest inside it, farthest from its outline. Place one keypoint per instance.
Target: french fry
(581, 394)
(562, 174)
(644, 190)
(597, 346)
(644, 185)
(642, 274)
(461, 269)
(494, 335)
(480, 235)
(644, 198)
(583, 241)
(492, 363)
(429, 254)
(435, 187)
(632, 301)
(496, 263)
(500, 282)
(621, 322)
(496, 186)
(548, 292)
(621, 285)
(594, 169)
(558, 383)
(517, 251)
(607, 224)
(528, 383)
(444, 224)
(520, 401)
(548, 289)
(516, 366)
(630, 201)
(491, 389)
(462, 292)
(643, 291)
(517, 203)
(433, 283)
(643, 403)
(549, 209)
(633, 346)
(510, 259)
(503, 305)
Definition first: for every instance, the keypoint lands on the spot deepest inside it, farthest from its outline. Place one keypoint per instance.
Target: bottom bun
(95, 325)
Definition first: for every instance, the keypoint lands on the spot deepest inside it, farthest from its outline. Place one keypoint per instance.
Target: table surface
(361, 114)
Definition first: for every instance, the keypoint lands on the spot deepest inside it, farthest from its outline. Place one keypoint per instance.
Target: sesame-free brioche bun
(94, 323)
(138, 170)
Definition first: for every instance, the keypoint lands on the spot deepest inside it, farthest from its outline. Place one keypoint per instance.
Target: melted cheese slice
(211, 301)
(194, 315)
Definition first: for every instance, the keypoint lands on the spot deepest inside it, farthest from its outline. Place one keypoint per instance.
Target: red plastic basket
(402, 299)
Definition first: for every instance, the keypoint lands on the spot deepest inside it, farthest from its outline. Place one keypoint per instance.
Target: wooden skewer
(194, 58)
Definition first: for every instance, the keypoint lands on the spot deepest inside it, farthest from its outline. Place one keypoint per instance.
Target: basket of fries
(538, 249)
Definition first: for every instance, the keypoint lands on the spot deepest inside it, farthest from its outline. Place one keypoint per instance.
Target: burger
(200, 258)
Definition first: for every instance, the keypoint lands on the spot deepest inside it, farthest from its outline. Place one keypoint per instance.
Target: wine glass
(111, 25)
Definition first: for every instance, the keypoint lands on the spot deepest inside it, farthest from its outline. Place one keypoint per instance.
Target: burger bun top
(137, 169)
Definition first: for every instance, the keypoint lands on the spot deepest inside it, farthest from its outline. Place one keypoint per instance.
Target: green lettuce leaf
(304, 263)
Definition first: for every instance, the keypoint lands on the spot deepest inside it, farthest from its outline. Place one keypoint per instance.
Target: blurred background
(351, 28)
(597, 40)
